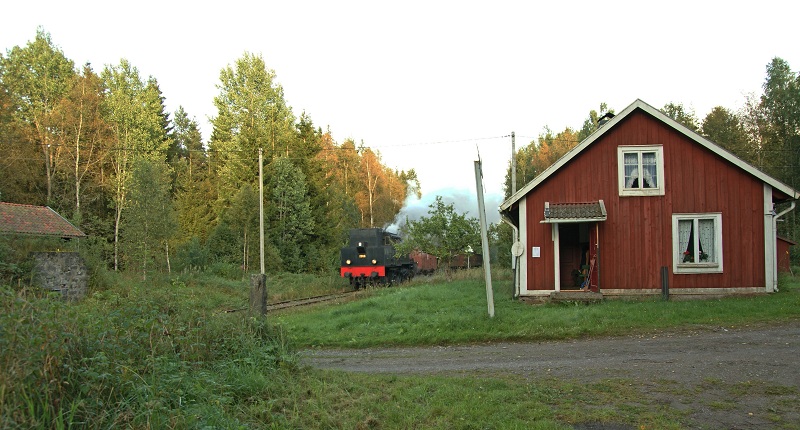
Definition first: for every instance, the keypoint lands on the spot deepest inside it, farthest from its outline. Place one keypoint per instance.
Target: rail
(301, 302)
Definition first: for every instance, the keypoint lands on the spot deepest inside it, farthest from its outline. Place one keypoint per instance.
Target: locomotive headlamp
(348, 261)
(374, 261)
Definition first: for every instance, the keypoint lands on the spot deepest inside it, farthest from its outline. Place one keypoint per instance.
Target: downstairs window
(697, 243)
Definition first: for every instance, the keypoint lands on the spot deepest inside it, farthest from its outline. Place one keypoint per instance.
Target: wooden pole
(261, 205)
(258, 283)
(513, 165)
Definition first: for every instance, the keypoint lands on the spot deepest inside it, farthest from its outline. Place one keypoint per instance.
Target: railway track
(300, 302)
(308, 301)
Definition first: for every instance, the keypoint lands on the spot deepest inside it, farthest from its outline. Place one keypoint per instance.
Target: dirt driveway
(729, 378)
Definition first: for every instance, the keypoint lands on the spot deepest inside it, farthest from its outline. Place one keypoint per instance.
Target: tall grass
(134, 355)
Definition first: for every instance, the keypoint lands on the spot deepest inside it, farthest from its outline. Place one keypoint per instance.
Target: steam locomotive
(370, 259)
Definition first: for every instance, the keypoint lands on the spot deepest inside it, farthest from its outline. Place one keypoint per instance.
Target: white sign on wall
(536, 252)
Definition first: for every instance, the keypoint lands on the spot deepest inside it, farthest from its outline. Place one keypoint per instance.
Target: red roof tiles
(35, 220)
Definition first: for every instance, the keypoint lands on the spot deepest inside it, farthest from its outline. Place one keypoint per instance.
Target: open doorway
(574, 255)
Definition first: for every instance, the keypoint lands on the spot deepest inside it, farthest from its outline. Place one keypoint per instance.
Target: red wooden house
(645, 203)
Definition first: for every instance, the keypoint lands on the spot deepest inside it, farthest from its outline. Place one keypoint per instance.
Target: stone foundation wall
(64, 272)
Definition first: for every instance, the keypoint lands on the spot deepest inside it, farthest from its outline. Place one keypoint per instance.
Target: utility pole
(487, 270)
(261, 205)
(513, 165)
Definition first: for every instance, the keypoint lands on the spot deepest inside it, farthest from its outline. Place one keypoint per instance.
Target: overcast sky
(433, 84)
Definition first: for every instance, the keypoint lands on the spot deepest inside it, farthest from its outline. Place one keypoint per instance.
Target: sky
(434, 85)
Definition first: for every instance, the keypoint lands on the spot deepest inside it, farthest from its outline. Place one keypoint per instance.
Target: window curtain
(631, 169)
(650, 173)
(684, 234)
(706, 236)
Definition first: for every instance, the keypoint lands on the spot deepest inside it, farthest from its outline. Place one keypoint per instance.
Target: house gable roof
(35, 220)
(640, 105)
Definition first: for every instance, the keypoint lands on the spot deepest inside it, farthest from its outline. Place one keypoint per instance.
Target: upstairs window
(641, 170)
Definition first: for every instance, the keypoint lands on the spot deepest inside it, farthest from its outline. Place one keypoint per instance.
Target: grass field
(456, 312)
(165, 354)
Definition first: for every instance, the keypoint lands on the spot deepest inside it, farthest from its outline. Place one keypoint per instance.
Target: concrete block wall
(64, 272)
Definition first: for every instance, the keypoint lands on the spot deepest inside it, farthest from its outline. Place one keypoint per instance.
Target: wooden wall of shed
(784, 261)
(636, 239)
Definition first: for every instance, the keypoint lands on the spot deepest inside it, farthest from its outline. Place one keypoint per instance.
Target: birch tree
(135, 113)
(149, 220)
(83, 133)
(252, 115)
(371, 173)
(37, 78)
(444, 233)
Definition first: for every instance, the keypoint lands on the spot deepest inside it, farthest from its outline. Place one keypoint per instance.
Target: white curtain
(684, 233)
(706, 235)
(650, 173)
(631, 169)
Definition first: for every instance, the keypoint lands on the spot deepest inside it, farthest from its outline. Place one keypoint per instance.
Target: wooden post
(258, 295)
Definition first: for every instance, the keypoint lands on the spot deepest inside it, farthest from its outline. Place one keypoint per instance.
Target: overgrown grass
(457, 312)
(134, 355)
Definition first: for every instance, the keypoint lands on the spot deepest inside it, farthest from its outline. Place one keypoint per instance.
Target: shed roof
(35, 220)
(640, 105)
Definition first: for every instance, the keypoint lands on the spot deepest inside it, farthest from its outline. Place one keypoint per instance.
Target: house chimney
(604, 119)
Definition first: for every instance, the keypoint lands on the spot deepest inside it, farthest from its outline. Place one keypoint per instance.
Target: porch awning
(557, 213)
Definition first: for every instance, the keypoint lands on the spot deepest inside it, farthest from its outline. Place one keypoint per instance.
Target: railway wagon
(464, 261)
(370, 258)
(426, 263)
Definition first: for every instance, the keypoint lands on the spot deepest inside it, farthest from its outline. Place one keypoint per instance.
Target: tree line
(100, 149)
(765, 132)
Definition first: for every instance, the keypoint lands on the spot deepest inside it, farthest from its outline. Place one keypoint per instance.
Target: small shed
(784, 248)
(64, 272)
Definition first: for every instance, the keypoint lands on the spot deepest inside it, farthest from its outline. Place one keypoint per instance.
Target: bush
(226, 270)
(16, 266)
(96, 252)
(191, 256)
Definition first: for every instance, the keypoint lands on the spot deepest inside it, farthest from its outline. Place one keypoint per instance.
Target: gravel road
(762, 355)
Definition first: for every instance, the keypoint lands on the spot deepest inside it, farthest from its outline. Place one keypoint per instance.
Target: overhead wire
(255, 150)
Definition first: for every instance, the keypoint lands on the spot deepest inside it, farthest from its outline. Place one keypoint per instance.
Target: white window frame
(678, 266)
(639, 149)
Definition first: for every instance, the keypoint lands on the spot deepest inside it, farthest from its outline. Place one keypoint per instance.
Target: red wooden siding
(636, 239)
(784, 263)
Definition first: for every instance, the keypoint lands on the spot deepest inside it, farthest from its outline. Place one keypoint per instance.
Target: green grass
(456, 312)
(165, 354)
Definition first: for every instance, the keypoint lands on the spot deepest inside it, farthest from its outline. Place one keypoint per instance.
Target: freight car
(370, 259)
(426, 263)
(464, 261)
